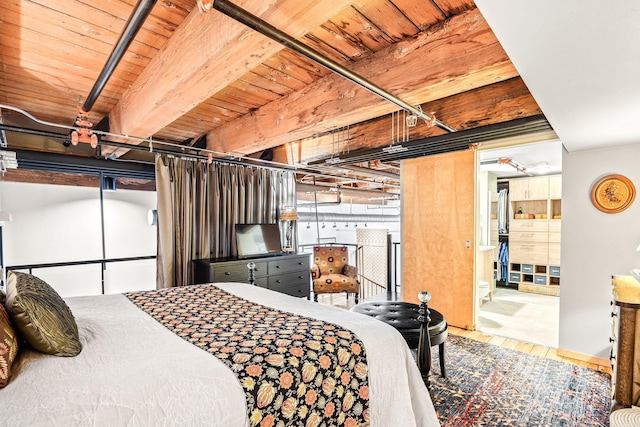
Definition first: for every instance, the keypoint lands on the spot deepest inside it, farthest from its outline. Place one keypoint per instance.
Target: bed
(134, 371)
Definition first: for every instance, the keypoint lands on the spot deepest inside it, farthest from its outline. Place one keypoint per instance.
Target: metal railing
(103, 262)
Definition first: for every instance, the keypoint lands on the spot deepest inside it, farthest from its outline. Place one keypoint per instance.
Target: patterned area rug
(487, 385)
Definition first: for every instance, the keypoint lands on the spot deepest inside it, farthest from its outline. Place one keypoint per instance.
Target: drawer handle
(300, 277)
(528, 246)
(227, 273)
(301, 263)
(277, 266)
(278, 281)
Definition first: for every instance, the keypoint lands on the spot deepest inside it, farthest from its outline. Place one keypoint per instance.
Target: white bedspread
(132, 371)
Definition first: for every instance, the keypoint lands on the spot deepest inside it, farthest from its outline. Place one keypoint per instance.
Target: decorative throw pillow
(8, 345)
(41, 315)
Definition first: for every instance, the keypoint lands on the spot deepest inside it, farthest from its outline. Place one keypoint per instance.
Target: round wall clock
(613, 193)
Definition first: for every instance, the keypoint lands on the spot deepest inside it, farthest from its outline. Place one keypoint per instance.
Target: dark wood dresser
(625, 350)
(289, 274)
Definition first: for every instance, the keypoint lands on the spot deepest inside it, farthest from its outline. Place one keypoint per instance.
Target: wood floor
(525, 347)
(339, 300)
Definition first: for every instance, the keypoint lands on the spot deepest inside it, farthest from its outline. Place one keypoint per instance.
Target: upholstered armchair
(331, 272)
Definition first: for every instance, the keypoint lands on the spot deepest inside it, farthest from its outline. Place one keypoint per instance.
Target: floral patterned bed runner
(294, 370)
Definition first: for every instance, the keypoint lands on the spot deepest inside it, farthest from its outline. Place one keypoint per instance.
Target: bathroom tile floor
(522, 316)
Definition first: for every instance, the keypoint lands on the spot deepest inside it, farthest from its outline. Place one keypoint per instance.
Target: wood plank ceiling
(192, 76)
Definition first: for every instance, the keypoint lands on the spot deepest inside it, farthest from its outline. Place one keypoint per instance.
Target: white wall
(57, 223)
(595, 246)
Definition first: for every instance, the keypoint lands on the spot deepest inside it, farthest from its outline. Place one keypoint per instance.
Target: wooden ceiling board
(354, 48)
(176, 80)
(327, 50)
(254, 79)
(63, 102)
(219, 102)
(330, 40)
(98, 24)
(55, 72)
(353, 24)
(37, 45)
(189, 74)
(186, 129)
(296, 66)
(388, 18)
(239, 94)
(36, 89)
(287, 82)
(423, 14)
(454, 7)
(300, 115)
(39, 103)
(121, 10)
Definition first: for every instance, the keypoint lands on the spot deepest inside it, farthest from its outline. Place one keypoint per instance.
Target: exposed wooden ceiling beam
(205, 54)
(496, 103)
(460, 55)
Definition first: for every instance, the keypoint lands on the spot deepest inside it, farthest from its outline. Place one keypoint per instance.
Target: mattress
(133, 371)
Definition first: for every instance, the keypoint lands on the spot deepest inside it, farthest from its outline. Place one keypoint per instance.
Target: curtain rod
(178, 149)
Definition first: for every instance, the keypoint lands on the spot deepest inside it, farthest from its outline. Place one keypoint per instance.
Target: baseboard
(583, 357)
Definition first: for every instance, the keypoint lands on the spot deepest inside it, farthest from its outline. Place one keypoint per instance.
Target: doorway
(521, 220)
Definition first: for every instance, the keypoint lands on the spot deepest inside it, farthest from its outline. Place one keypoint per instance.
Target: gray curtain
(200, 204)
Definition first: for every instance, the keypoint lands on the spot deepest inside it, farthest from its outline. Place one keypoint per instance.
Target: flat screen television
(255, 240)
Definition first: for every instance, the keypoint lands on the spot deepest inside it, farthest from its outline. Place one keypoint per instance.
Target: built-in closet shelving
(534, 233)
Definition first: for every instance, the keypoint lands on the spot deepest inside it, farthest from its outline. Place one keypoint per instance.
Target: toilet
(484, 290)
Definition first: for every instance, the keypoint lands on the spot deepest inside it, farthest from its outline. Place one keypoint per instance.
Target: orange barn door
(438, 237)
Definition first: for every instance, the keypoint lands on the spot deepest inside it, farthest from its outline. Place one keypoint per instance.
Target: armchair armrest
(350, 271)
(315, 271)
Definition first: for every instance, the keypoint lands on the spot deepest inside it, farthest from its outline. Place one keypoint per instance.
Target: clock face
(613, 193)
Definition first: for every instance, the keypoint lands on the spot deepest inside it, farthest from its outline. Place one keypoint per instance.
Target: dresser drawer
(528, 236)
(554, 271)
(295, 291)
(528, 225)
(278, 266)
(534, 253)
(296, 283)
(238, 271)
(539, 280)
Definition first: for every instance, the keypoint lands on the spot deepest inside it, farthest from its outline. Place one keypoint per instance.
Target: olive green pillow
(8, 344)
(41, 315)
